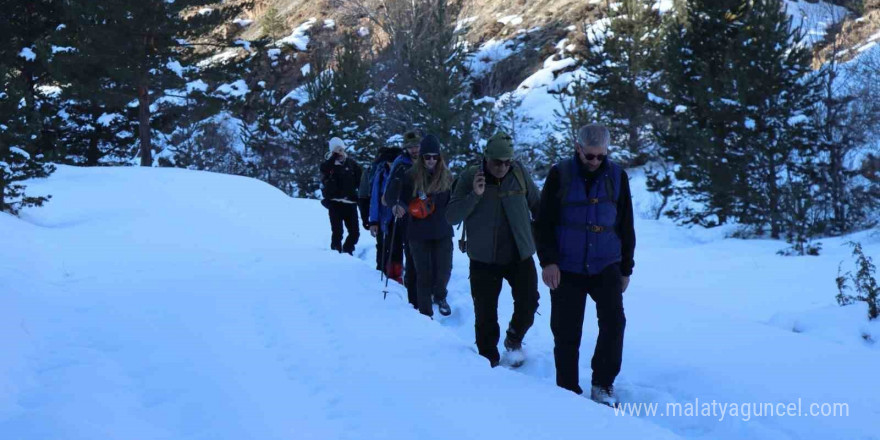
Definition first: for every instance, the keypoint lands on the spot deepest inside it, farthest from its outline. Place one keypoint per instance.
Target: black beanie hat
(430, 145)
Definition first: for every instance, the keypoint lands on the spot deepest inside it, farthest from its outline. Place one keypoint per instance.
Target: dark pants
(433, 262)
(381, 254)
(410, 274)
(567, 305)
(399, 253)
(347, 214)
(485, 289)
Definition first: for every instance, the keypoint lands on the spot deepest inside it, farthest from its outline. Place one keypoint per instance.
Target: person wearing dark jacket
(423, 198)
(586, 242)
(379, 167)
(497, 201)
(340, 177)
(401, 260)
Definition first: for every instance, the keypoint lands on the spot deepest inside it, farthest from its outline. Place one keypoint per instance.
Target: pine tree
(138, 49)
(775, 93)
(700, 132)
(314, 127)
(352, 99)
(272, 24)
(27, 126)
(25, 56)
(622, 65)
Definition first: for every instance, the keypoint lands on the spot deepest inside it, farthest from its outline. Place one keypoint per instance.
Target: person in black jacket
(423, 198)
(586, 242)
(340, 177)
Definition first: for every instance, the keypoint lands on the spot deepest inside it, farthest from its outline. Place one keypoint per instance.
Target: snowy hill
(166, 303)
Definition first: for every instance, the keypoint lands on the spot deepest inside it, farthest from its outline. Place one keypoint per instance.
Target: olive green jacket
(481, 214)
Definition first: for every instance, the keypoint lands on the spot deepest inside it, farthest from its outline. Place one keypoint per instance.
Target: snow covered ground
(174, 304)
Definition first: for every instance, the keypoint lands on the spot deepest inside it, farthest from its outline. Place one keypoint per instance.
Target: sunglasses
(501, 163)
(601, 157)
(431, 156)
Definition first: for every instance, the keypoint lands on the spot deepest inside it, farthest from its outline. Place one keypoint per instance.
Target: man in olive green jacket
(497, 202)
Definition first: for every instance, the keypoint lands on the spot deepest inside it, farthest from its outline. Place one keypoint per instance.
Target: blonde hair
(441, 180)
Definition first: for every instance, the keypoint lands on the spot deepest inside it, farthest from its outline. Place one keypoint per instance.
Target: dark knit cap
(430, 145)
(411, 139)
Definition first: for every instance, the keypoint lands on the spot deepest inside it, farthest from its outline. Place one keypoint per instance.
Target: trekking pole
(388, 261)
(381, 257)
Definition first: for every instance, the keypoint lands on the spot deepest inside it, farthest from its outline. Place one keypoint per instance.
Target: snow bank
(166, 303)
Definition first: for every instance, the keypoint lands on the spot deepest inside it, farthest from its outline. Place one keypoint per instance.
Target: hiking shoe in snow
(513, 345)
(604, 395)
(444, 307)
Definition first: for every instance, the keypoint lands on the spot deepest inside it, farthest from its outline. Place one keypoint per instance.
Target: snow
(329, 24)
(179, 304)
(64, 49)
(243, 22)
(298, 37)
(28, 54)
(749, 123)
(815, 17)
(306, 69)
(225, 323)
(246, 45)
(196, 86)
(235, 89)
(490, 53)
(664, 6)
(363, 31)
(511, 20)
(300, 94)
(464, 23)
(20, 152)
(220, 58)
(107, 119)
(680, 108)
(176, 67)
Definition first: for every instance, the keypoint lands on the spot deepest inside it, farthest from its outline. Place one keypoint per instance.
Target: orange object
(421, 208)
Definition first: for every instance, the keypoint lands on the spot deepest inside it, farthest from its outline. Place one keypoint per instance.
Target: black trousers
(399, 253)
(486, 287)
(381, 254)
(567, 306)
(343, 214)
(433, 262)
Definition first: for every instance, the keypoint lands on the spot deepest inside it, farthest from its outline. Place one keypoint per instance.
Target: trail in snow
(156, 303)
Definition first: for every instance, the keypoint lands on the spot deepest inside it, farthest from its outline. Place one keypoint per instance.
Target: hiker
(586, 241)
(391, 196)
(382, 164)
(497, 201)
(340, 177)
(424, 195)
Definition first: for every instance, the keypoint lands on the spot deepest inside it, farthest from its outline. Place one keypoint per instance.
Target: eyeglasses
(501, 163)
(601, 157)
(431, 156)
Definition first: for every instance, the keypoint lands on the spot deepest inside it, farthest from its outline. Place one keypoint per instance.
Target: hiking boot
(604, 395)
(444, 307)
(513, 345)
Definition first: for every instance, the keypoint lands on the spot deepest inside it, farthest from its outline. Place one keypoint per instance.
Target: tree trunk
(146, 152)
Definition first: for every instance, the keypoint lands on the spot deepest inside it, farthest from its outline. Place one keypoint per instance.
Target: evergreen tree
(622, 65)
(133, 51)
(272, 24)
(314, 126)
(702, 119)
(27, 125)
(352, 99)
(775, 92)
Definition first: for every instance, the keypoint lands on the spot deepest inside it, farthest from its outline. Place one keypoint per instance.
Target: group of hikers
(580, 225)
